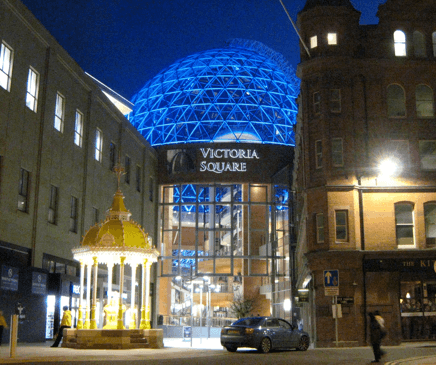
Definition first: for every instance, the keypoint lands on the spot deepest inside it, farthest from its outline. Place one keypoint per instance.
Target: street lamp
(388, 168)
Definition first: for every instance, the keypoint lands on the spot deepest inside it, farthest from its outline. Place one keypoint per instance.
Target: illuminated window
(337, 152)
(59, 113)
(98, 145)
(430, 223)
(400, 43)
(23, 190)
(433, 36)
(427, 154)
(6, 59)
(319, 220)
(419, 44)
(313, 41)
(53, 204)
(424, 101)
(332, 39)
(78, 129)
(396, 101)
(32, 90)
(404, 224)
(316, 102)
(335, 100)
(318, 154)
(127, 170)
(341, 219)
(74, 213)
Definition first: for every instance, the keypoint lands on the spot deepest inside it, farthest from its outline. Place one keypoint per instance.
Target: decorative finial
(119, 170)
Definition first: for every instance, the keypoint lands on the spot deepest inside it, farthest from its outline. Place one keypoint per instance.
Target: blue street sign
(331, 278)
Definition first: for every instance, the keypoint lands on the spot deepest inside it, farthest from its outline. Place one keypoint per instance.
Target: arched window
(400, 43)
(404, 224)
(419, 44)
(434, 43)
(424, 101)
(396, 101)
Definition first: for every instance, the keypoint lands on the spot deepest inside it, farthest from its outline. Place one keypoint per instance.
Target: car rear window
(248, 322)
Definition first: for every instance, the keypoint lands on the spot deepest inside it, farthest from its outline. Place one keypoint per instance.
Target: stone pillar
(88, 295)
(80, 315)
(93, 325)
(132, 324)
(145, 310)
(120, 324)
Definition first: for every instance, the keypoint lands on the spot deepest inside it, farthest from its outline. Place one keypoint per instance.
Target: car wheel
(265, 345)
(303, 344)
(231, 348)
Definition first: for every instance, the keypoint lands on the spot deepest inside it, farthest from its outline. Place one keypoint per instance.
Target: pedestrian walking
(65, 323)
(377, 333)
(3, 324)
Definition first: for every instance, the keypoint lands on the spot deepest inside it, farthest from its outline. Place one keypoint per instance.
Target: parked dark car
(263, 334)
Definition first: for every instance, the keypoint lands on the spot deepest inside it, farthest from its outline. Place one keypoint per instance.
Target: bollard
(13, 335)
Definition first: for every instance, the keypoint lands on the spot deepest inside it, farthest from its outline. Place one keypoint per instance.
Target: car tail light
(249, 331)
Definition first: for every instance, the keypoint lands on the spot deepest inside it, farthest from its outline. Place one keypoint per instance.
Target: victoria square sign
(213, 159)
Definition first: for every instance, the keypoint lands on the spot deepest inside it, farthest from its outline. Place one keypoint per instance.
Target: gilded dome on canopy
(117, 231)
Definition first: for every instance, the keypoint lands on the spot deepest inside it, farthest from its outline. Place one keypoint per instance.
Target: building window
(404, 224)
(419, 44)
(127, 170)
(98, 145)
(430, 224)
(427, 154)
(335, 100)
(313, 41)
(151, 190)
(95, 215)
(78, 129)
(424, 101)
(400, 43)
(319, 221)
(138, 178)
(32, 90)
(53, 204)
(6, 61)
(59, 113)
(332, 39)
(318, 154)
(316, 103)
(23, 190)
(112, 155)
(341, 219)
(337, 152)
(74, 214)
(396, 101)
(433, 36)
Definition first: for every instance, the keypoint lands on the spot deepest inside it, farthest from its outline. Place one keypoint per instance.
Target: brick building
(367, 97)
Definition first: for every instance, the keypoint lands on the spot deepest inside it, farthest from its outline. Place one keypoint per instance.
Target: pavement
(33, 353)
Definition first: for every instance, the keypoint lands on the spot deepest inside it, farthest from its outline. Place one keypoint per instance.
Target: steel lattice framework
(237, 94)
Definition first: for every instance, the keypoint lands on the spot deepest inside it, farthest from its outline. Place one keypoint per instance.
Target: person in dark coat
(376, 335)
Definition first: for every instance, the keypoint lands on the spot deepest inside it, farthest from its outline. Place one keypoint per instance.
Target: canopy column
(145, 310)
(120, 324)
(94, 295)
(110, 266)
(82, 274)
(88, 295)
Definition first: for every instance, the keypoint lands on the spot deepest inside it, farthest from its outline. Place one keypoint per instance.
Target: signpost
(331, 289)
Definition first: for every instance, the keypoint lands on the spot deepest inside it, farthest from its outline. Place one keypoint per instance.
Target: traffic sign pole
(336, 321)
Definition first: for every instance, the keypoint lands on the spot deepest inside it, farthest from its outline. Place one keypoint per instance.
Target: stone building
(62, 134)
(366, 106)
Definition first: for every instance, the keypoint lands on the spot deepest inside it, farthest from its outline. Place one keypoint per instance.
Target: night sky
(124, 43)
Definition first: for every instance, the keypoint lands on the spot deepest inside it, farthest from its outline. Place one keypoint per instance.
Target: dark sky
(124, 43)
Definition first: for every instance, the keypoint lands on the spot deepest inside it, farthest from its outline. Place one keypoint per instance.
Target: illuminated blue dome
(243, 93)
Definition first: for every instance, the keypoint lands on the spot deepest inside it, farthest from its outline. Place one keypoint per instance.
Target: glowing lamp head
(388, 168)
